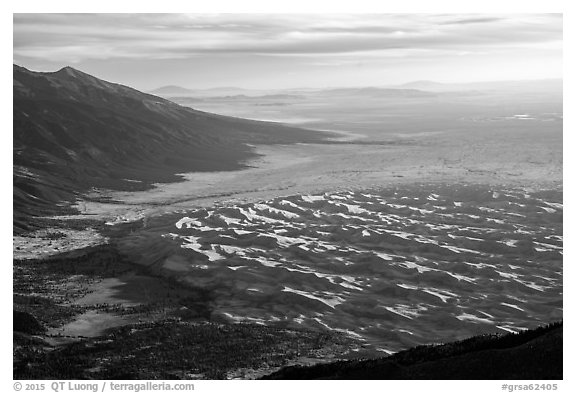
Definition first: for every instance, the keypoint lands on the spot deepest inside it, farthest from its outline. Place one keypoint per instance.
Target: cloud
(472, 20)
(74, 37)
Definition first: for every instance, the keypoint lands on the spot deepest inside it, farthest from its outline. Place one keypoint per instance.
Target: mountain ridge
(532, 354)
(73, 132)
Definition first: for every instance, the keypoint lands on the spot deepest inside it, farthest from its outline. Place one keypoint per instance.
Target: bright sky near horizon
(266, 51)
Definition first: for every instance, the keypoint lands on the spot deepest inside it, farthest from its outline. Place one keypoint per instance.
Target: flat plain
(421, 219)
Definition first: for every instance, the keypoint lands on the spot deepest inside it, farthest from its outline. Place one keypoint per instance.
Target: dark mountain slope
(532, 354)
(73, 131)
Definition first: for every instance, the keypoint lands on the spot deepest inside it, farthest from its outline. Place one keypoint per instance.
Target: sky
(269, 51)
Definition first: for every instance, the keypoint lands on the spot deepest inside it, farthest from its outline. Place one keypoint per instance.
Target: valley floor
(100, 295)
(513, 158)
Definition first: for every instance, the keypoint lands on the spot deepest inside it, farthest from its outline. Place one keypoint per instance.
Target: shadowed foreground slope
(533, 354)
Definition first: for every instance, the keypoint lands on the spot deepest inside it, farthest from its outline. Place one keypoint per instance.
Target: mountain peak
(74, 78)
(69, 71)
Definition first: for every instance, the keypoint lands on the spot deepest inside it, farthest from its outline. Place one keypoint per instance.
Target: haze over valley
(252, 228)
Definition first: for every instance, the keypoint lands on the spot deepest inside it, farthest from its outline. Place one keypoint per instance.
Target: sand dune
(437, 269)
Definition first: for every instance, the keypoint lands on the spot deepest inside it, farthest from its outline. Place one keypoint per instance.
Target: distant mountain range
(229, 93)
(539, 85)
(73, 131)
(422, 88)
(423, 85)
(376, 92)
(171, 90)
(177, 91)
